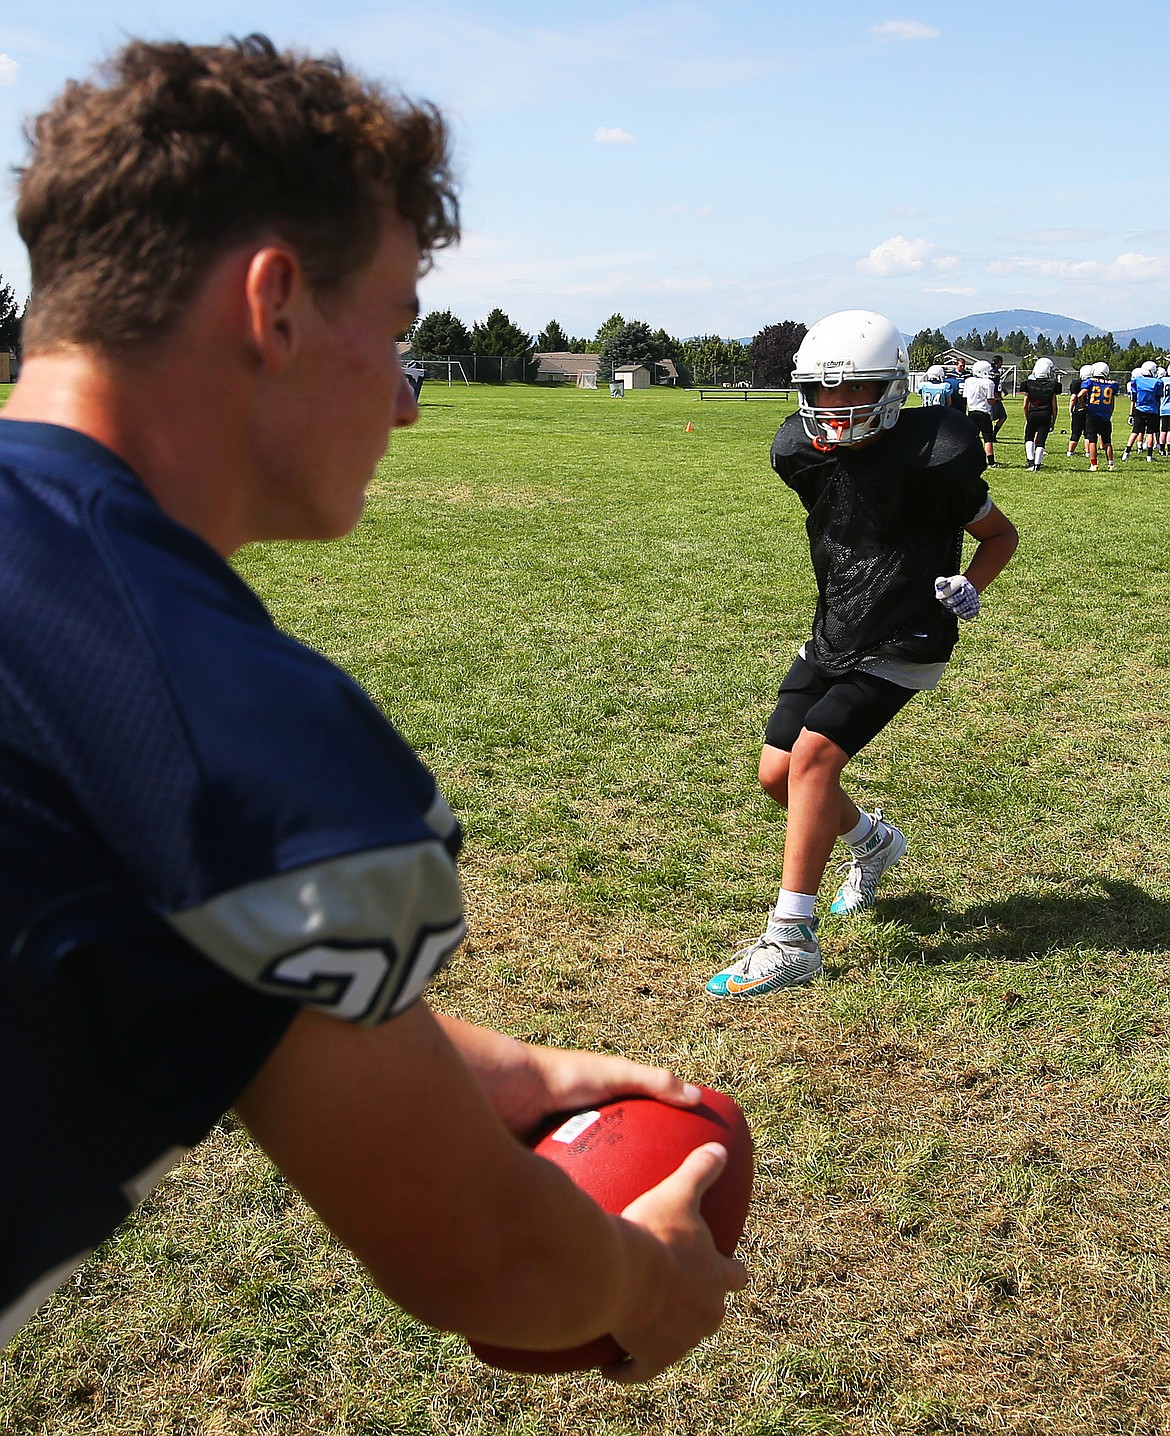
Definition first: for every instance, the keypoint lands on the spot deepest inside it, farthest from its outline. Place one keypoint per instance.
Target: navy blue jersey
(884, 521)
(203, 826)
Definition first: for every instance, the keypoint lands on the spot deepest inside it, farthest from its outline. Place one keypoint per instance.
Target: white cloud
(964, 289)
(612, 137)
(896, 256)
(1138, 267)
(904, 30)
(9, 70)
(1074, 269)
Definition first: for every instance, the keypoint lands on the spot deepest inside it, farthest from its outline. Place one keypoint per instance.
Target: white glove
(958, 595)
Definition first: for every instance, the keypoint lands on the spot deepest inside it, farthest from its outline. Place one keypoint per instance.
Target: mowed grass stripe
(579, 613)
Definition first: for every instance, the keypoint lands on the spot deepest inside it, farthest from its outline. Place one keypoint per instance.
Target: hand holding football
(617, 1152)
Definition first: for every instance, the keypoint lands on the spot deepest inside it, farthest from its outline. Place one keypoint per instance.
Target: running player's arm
(996, 540)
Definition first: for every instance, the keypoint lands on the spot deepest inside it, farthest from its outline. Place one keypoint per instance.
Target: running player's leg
(809, 741)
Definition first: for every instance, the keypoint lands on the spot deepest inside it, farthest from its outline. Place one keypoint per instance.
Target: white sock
(1039, 457)
(792, 907)
(859, 834)
(1029, 449)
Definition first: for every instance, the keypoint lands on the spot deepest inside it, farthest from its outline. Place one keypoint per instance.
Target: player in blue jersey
(1146, 391)
(1164, 414)
(1099, 396)
(1076, 409)
(934, 391)
(227, 879)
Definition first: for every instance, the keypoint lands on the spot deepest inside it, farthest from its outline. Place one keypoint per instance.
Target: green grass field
(578, 613)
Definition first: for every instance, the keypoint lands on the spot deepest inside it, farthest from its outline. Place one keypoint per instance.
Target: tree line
(928, 345)
(706, 358)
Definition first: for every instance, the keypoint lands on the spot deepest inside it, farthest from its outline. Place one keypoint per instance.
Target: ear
(275, 294)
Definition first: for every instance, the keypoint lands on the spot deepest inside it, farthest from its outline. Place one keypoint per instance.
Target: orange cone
(690, 427)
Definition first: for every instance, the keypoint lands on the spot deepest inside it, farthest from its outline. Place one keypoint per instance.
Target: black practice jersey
(884, 521)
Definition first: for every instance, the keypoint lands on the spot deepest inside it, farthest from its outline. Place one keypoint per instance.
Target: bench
(744, 393)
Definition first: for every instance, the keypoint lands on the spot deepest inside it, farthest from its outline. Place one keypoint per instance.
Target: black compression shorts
(1098, 429)
(1038, 425)
(982, 422)
(849, 711)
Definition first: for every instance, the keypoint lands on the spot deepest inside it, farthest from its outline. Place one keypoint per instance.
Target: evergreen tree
(11, 318)
(552, 339)
(498, 337)
(439, 334)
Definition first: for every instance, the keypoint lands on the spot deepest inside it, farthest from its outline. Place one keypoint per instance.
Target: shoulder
(790, 438)
(932, 438)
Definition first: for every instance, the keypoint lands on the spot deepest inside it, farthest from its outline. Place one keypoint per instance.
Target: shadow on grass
(1102, 913)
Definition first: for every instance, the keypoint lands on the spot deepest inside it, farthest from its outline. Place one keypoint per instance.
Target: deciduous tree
(773, 350)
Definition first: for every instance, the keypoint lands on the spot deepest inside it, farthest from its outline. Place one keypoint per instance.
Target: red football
(622, 1149)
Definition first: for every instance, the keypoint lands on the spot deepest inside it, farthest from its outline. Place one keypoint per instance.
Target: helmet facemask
(827, 425)
(854, 346)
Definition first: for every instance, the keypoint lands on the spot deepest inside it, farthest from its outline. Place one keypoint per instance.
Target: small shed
(635, 376)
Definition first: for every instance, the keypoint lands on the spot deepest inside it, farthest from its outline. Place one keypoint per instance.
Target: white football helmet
(1086, 370)
(1133, 373)
(1149, 369)
(935, 374)
(851, 346)
(1042, 369)
(1100, 370)
(982, 369)
(1161, 374)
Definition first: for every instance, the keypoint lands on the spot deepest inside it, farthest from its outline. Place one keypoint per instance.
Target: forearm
(397, 1149)
(990, 558)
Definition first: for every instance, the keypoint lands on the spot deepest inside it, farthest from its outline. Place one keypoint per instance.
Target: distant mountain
(1034, 322)
(1151, 334)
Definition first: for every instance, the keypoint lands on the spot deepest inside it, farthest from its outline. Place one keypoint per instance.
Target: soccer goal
(586, 380)
(445, 369)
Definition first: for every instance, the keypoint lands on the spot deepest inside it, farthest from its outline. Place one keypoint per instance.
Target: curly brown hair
(140, 179)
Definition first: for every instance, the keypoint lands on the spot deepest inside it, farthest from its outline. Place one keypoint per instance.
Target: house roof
(973, 355)
(555, 363)
(630, 369)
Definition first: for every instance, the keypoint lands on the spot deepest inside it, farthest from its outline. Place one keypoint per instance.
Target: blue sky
(715, 167)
